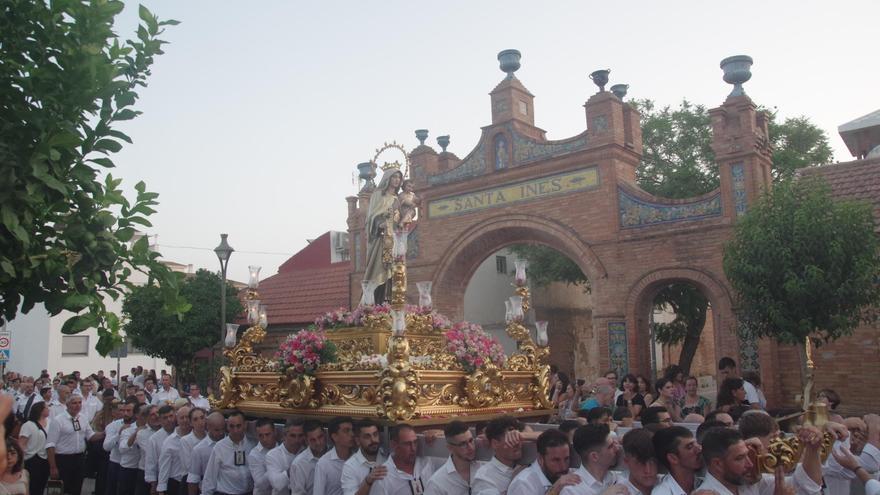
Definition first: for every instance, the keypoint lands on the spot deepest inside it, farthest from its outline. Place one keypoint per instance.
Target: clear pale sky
(258, 113)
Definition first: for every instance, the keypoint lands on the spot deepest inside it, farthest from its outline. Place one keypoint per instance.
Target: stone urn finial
(737, 70)
(509, 61)
(443, 141)
(366, 173)
(619, 90)
(421, 135)
(600, 78)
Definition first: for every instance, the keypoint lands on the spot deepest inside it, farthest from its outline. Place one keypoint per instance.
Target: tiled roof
(859, 179)
(300, 296)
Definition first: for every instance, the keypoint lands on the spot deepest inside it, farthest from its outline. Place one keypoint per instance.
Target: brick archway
(640, 301)
(455, 268)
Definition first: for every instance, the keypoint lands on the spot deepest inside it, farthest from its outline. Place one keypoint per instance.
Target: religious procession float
(387, 359)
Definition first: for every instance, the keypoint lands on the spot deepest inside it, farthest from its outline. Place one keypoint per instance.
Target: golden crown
(393, 145)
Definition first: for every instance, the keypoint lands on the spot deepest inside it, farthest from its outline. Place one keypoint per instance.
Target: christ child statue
(407, 203)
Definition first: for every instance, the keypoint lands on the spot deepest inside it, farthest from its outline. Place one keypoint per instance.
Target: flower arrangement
(305, 351)
(338, 318)
(358, 315)
(472, 347)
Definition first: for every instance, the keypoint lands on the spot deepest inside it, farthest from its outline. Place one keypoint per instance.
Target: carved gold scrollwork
(398, 285)
(349, 351)
(243, 352)
(484, 387)
(541, 387)
(260, 391)
(230, 395)
(349, 395)
(399, 384)
(435, 394)
(298, 391)
(523, 291)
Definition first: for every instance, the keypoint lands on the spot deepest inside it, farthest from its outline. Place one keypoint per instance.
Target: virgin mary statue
(378, 226)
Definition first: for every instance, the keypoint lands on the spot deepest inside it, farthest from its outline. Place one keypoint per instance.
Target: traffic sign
(5, 346)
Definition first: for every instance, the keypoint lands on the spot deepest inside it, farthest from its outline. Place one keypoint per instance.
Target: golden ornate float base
(376, 377)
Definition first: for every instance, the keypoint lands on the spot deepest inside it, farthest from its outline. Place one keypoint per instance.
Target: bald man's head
(216, 425)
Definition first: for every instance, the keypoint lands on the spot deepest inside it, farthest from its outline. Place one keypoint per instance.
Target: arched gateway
(579, 196)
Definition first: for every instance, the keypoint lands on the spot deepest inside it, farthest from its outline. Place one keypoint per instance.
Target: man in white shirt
(302, 471)
(678, 451)
(279, 459)
(328, 469)
(66, 446)
(142, 441)
(227, 470)
(848, 460)
(266, 441)
(129, 453)
(365, 466)
(154, 446)
(457, 474)
(27, 398)
(195, 398)
(111, 444)
(91, 403)
(216, 428)
(495, 476)
(729, 470)
(172, 466)
(58, 406)
(167, 394)
(407, 473)
(549, 472)
(640, 461)
(598, 452)
(198, 425)
(139, 376)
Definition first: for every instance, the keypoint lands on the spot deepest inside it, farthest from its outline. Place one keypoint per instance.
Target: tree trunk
(689, 350)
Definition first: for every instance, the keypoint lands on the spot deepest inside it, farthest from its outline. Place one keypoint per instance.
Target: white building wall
(37, 343)
(485, 295)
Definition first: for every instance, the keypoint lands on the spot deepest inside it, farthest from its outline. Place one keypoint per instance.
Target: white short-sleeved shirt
(766, 486)
(187, 445)
(530, 480)
(492, 479)
(162, 396)
(68, 434)
(447, 481)
(668, 486)
(590, 485)
(170, 462)
(154, 448)
(257, 465)
(398, 482)
(200, 455)
(143, 441)
(227, 470)
(302, 473)
(201, 402)
(111, 439)
(328, 474)
(129, 456)
(355, 471)
(278, 462)
(36, 444)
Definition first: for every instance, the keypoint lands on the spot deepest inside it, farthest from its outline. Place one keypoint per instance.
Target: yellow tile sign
(514, 193)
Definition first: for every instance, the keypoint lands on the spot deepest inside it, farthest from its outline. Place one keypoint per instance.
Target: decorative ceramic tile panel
(472, 166)
(635, 212)
(617, 347)
(738, 172)
(748, 348)
(527, 150)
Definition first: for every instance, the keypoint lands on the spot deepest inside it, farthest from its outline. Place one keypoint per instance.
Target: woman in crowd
(32, 441)
(666, 398)
(14, 480)
(731, 393)
(97, 456)
(693, 403)
(645, 389)
(563, 397)
(675, 374)
(630, 397)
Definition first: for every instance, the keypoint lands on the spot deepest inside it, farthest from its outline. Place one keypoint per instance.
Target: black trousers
(141, 486)
(176, 487)
(127, 481)
(38, 468)
(71, 469)
(99, 458)
(112, 478)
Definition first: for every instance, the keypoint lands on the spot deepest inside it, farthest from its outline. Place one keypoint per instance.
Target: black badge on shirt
(239, 458)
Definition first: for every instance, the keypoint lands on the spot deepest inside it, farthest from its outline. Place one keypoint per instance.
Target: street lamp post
(224, 251)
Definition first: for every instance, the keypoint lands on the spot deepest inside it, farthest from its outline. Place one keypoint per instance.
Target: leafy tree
(804, 266)
(678, 162)
(176, 340)
(66, 227)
